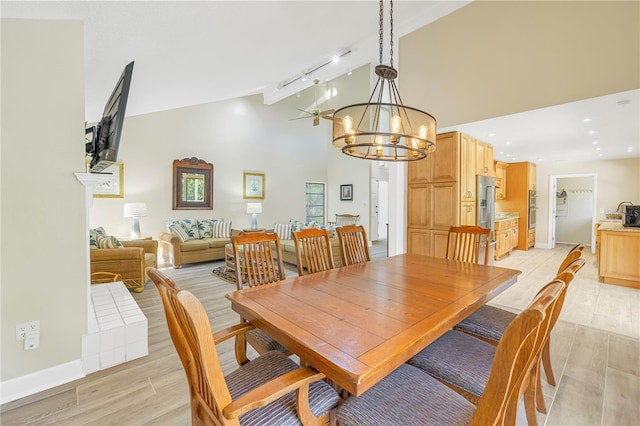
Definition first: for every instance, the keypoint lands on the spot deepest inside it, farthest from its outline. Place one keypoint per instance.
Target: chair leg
(530, 404)
(546, 362)
(537, 383)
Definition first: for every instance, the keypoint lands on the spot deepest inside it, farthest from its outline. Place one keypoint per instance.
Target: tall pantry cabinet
(441, 191)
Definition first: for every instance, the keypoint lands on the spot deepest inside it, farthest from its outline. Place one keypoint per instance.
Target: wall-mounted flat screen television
(105, 136)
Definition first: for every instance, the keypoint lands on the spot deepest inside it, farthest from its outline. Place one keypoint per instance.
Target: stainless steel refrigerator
(486, 211)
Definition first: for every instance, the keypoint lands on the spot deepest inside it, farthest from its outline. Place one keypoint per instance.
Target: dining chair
(314, 246)
(489, 322)
(464, 363)
(347, 219)
(354, 247)
(271, 386)
(568, 260)
(577, 247)
(254, 258)
(464, 243)
(409, 396)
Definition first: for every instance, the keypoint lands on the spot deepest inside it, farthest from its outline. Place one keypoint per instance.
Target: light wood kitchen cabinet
(531, 238)
(468, 148)
(520, 178)
(618, 256)
(441, 192)
(532, 176)
(501, 180)
(503, 239)
(514, 234)
(468, 213)
(484, 159)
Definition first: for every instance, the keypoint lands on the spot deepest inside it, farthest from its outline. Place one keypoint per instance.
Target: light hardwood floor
(595, 353)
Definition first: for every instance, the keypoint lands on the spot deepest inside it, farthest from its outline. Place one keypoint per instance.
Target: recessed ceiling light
(630, 149)
(539, 159)
(587, 120)
(491, 134)
(592, 132)
(599, 155)
(336, 59)
(595, 142)
(598, 149)
(507, 143)
(501, 152)
(508, 155)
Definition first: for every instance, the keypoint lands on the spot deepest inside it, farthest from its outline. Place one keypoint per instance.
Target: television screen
(105, 136)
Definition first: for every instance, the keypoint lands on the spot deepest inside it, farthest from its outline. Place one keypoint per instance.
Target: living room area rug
(225, 275)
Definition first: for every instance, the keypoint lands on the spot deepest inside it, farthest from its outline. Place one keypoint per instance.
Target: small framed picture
(253, 186)
(346, 192)
(114, 186)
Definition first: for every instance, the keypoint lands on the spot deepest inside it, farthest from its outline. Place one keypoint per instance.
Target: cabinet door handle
(486, 169)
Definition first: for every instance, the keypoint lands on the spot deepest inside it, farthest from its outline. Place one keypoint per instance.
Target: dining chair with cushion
(354, 247)
(408, 396)
(464, 363)
(271, 388)
(464, 243)
(489, 322)
(314, 246)
(258, 257)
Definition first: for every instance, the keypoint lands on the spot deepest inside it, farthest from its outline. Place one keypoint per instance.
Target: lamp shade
(135, 209)
(254, 207)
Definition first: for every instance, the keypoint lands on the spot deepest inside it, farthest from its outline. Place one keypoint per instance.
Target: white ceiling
(194, 52)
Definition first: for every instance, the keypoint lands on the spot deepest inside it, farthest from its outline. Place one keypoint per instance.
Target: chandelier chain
(391, 32)
(380, 32)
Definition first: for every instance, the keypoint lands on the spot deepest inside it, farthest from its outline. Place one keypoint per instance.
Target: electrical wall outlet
(32, 340)
(24, 328)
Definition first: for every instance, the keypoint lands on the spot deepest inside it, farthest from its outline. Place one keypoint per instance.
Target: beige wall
(617, 180)
(236, 135)
(494, 58)
(44, 243)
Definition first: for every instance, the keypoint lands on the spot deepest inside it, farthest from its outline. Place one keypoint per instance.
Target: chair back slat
(569, 258)
(347, 219)
(314, 247)
(354, 247)
(464, 243)
(258, 257)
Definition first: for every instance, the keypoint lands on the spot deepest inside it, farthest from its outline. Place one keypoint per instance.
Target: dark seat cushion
(407, 396)
(488, 322)
(458, 359)
(269, 366)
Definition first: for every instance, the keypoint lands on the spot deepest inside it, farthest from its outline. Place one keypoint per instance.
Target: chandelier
(383, 129)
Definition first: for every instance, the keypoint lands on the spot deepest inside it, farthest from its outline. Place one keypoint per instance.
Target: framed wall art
(114, 186)
(253, 184)
(346, 192)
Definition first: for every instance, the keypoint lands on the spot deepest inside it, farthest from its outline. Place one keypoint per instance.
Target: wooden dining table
(358, 323)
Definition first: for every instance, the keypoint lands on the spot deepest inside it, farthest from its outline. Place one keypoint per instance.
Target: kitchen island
(618, 255)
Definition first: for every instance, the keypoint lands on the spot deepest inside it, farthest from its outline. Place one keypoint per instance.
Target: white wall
(237, 135)
(43, 246)
(575, 212)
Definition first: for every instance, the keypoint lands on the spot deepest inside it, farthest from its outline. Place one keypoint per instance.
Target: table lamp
(135, 210)
(254, 209)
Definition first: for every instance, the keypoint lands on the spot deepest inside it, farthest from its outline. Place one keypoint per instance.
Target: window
(315, 202)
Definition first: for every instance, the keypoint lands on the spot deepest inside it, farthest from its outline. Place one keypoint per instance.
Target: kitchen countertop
(506, 216)
(616, 226)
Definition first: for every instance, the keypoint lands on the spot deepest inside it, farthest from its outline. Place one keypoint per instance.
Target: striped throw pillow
(222, 229)
(283, 230)
(108, 242)
(177, 229)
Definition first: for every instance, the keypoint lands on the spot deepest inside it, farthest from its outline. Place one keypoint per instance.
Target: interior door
(374, 216)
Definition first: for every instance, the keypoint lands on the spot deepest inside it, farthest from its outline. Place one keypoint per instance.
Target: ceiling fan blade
(316, 120)
(298, 118)
(305, 111)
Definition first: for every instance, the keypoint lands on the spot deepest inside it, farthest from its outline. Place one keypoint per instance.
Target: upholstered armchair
(130, 261)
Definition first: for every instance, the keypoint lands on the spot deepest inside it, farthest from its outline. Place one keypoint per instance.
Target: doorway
(572, 208)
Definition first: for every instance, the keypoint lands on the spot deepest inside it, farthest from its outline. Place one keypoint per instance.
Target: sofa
(194, 240)
(287, 244)
(129, 259)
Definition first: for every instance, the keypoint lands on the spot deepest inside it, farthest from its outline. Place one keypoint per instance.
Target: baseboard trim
(31, 383)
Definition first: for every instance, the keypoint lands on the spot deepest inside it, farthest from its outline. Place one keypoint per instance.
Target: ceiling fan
(315, 112)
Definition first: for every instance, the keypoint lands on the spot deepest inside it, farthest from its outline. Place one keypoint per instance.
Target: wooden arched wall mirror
(192, 184)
